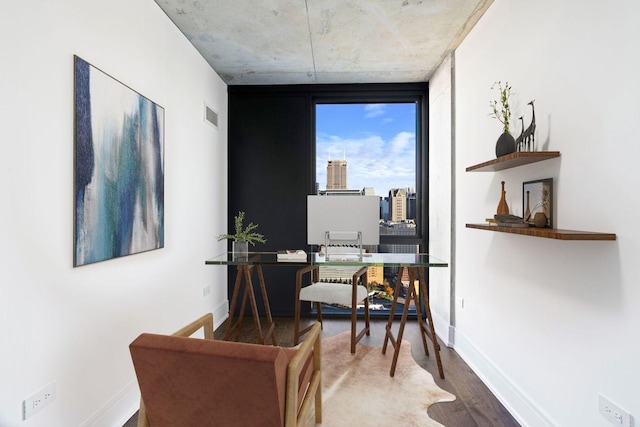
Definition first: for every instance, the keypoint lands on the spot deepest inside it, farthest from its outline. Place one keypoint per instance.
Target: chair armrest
(314, 269)
(361, 274)
(310, 346)
(205, 322)
(315, 274)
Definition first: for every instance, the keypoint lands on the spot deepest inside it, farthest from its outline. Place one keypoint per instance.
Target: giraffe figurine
(519, 139)
(529, 137)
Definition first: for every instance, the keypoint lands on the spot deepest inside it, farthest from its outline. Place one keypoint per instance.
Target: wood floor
(475, 405)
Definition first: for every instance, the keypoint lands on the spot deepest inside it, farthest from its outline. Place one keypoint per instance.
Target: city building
(384, 208)
(397, 204)
(336, 175)
(412, 212)
(341, 192)
(368, 191)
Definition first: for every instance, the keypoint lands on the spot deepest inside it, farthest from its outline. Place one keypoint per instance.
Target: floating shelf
(521, 158)
(548, 233)
(512, 160)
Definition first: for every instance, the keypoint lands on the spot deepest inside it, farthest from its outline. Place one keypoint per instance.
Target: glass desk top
(369, 259)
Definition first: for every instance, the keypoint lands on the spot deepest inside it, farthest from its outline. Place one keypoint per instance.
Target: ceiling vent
(210, 116)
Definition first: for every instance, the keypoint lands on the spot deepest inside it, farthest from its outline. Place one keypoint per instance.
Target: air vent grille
(210, 116)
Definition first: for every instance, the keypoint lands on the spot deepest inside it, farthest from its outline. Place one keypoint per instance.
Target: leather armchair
(204, 382)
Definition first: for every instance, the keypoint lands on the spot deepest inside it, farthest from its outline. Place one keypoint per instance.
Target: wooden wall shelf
(548, 233)
(521, 158)
(513, 160)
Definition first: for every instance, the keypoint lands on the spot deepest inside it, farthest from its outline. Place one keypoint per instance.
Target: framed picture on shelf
(537, 198)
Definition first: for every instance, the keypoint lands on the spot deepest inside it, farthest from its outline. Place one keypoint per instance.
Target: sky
(377, 140)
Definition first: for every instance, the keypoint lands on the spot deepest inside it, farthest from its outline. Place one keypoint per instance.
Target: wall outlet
(460, 302)
(613, 413)
(206, 290)
(38, 400)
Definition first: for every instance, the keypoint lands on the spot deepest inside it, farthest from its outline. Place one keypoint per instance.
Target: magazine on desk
(292, 255)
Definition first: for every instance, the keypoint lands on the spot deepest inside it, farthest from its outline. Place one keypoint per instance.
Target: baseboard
(117, 411)
(443, 329)
(220, 313)
(514, 399)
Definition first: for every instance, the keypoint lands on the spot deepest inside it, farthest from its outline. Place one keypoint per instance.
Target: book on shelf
(507, 221)
(292, 255)
(511, 224)
(508, 218)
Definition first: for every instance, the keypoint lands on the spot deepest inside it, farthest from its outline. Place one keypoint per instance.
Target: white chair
(310, 286)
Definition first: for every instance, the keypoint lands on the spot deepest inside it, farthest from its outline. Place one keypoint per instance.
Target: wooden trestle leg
(244, 272)
(417, 297)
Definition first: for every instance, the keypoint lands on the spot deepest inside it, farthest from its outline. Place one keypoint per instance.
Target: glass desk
(414, 263)
(369, 259)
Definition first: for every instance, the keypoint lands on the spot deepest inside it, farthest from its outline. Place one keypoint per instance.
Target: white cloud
(371, 161)
(374, 110)
(403, 141)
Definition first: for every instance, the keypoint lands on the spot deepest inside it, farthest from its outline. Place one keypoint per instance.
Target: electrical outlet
(206, 290)
(38, 400)
(460, 301)
(613, 413)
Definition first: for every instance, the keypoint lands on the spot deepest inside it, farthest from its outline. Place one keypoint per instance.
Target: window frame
(364, 96)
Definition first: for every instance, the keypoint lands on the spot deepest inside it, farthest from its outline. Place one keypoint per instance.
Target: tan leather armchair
(204, 382)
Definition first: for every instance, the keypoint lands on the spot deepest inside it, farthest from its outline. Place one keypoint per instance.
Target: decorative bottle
(503, 208)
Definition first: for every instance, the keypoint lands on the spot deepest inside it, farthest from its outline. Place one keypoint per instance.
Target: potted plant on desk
(242, 237)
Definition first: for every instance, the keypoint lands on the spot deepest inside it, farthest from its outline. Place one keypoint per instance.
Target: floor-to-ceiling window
(374, 147)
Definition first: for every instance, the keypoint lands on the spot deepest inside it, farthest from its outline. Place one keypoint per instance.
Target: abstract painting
(119, 168)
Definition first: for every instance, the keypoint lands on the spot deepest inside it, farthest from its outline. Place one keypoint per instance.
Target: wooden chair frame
(310, 346)
(295, 412)
(314, 274)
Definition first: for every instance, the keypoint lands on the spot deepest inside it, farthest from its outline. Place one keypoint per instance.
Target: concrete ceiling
(258, 42)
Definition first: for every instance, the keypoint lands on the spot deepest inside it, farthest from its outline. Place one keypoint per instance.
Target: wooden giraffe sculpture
(519, 139)
(528, 137)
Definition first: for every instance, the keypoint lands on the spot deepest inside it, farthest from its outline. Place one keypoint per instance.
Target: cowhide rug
(358, 391)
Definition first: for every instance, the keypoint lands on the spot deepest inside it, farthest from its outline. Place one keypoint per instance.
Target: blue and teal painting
(119, 168)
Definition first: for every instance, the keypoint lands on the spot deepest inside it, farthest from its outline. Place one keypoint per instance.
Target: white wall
(551, 324)
(440, 184)
(73, 325)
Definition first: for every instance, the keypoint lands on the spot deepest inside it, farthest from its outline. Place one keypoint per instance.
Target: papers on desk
(292, 255)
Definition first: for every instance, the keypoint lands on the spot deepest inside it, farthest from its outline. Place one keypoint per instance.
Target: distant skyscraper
(397, 204)
(384, 208)
(368, 191)
(337, 175)
(412, 212)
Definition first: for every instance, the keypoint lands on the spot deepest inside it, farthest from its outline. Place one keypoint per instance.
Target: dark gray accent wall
(271, 165)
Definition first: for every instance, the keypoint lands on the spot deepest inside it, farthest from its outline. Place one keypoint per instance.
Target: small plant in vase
(502, 111)
(243, 236)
